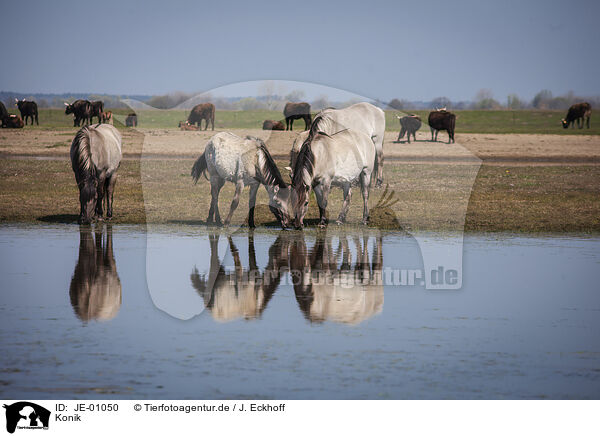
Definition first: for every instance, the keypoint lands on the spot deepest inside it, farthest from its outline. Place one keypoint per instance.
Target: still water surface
(80, 319)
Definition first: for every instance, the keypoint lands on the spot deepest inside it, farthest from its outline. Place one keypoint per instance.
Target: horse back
(105, 146)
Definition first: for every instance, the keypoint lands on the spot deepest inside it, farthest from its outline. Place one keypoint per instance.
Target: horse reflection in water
(348, 293)
(242, 292)
(95, 289)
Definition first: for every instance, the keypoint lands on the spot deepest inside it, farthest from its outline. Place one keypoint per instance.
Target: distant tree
(295, 96)
(514, 102)
(542, 99)
(440, 102)
(484, 99)
(321, 102)
(249, 103)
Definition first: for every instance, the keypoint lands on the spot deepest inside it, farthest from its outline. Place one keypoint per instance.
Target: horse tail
(199, 168)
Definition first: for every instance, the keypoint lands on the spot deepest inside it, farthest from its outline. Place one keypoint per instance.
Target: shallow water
(79, 319)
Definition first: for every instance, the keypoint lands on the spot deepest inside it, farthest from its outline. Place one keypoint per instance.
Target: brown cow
(204, 111)
(442, 120)
(296, 111)
(107, 117)
(273, 125)
(13, 122)
(184, 125)
(578, 112)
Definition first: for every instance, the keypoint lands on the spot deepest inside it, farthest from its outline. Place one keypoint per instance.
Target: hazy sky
(415, 50)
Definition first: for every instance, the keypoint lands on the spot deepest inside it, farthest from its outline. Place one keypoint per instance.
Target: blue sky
(415, 50)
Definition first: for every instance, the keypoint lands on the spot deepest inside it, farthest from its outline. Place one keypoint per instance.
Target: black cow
(410, 124)
(28, 109)
(442, 120)
(578, 112)
(131, 120)
(3, 114)
(81, 110)
(296, 111)
(97, 111)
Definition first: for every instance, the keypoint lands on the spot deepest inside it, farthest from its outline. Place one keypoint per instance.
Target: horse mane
(267, 166)
(83, 151)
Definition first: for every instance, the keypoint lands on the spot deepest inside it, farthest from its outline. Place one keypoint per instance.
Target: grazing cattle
(184, 125)
(296, 111)
(131, 120)
(242, 161)
(97, 110)
(95, 290)
(13, 122)
(410, 124)
(3, 114)
(578, 112)
(81, 110)
(203, 111)
(107, 117)
(273, 125)
(442, 120)
(340, 159)
(28, 109)
(95, 159)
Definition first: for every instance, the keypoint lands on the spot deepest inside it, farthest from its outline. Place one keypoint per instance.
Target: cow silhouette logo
(26, 415)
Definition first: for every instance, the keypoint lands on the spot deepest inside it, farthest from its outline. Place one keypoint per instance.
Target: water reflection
(243, 292)
(95, 289)
(342, 285)
(330, 285)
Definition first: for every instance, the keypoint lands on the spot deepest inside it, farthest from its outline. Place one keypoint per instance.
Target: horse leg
(251, 204)
(100, 197)
(239, 185)
(322, 194)
(291, 123)
(365, 181)
(216, 183)
(347, 197)
(212, 122)
(110, 188)
(37, 121)
(287, 123)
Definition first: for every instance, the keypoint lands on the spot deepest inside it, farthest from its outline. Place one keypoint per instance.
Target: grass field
(503, 121)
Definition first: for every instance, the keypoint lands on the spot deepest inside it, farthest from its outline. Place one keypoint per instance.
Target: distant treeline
(483, 100)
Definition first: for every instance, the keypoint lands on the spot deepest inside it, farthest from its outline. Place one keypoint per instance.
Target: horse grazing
(578, 112)
(203, 111)
(242, 161)
(28, 109)
(340, 159)
(81, 110)
(362, 117)
(296, 111)
(410, 124)
(95, 290)
(95, 159)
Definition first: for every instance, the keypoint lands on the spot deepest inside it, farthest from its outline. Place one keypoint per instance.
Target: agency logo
(26, 415)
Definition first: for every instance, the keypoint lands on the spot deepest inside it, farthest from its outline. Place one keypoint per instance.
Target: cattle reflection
(241, 292)
(95, 289)
(330, 285)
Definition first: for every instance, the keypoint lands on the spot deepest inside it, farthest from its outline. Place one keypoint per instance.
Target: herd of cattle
(85, 111)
